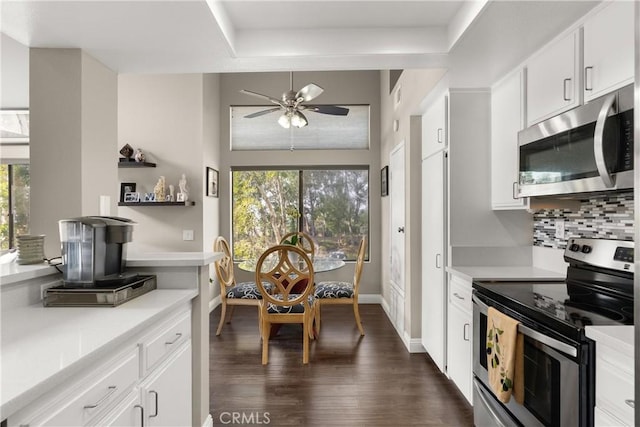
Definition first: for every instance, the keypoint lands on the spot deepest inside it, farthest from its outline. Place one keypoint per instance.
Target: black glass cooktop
(563, 307)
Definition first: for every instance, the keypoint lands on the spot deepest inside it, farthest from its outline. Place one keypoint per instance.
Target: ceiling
(195, 36)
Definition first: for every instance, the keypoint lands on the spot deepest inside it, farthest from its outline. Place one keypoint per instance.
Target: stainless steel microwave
(587, 149)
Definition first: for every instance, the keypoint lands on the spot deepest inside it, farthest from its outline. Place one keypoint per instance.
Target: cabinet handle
(440, 139)
(178, 335)
(564, 90)
(141, 414)
(514, 190)
(465, 332)
(112, 389)
(437, 261)
(155, 394)
(455, 294)
(630, 402)
(586, 78)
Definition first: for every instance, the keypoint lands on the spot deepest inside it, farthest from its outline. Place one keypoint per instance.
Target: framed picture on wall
(384, 181)
(126, 187)
(212, 182)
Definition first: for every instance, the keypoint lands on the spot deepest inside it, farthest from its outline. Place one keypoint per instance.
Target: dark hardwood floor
(350, 381)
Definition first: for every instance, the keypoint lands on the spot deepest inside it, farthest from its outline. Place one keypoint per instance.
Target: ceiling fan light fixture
(285, 121)
(299, 120)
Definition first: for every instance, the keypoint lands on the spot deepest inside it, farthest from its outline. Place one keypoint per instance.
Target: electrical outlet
(187, 234)
(560, 228)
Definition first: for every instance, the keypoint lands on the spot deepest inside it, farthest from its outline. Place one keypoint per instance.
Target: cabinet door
(433, 259)
(434, 127)
(608, 49)
(129, 413)
(552, 79)
(507, 119)
(459, 349)
(167, 392)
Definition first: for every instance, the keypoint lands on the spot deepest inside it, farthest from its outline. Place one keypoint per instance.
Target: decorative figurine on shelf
(171, 197)
(127, 152)
(159, 190)
(139, 156)
(183, 195)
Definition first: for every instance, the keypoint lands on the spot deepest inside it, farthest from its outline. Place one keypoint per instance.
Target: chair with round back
(301, 240)
(332, 292)
(232, 293)
(289, 271)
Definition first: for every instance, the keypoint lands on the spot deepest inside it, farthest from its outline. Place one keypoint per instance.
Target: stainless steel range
(559, 372)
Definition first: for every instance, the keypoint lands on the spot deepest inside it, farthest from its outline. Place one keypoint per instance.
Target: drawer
(86, 399)
(614, 383)
(603, 419)
(165, 339)
(460, 293)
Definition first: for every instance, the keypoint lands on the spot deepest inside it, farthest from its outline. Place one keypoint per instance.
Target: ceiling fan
(292, 104)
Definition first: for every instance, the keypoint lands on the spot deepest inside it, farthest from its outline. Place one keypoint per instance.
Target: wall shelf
(187, 203)
(128, 164)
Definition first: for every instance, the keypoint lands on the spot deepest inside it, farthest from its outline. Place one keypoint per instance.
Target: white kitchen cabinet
(553, 79)
(459, 334)
(396, 309)
(434, 169)
(434, 127)
(608, 49)
(166, 394)
(128, 413)
(507, 119)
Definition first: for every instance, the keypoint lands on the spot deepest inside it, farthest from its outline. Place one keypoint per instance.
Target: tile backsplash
(605, 217)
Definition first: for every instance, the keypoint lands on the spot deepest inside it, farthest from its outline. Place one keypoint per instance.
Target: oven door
(551, 376)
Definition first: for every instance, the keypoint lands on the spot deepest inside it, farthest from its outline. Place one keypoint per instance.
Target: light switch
(187, 234)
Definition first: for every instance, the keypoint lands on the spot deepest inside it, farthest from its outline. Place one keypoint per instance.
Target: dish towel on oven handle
(505, 356)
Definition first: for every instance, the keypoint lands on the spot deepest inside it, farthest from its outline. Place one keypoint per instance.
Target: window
(331, 205)
(14, 203)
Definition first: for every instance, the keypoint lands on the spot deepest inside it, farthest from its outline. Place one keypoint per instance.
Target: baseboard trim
(370, 299)
(214, 303)
(415, 346)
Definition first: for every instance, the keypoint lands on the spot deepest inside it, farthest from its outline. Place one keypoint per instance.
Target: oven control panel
(605, 253)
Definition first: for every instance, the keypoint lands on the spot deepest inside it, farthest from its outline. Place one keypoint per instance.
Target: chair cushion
(334, 290)
(283, 309)
(246, 290)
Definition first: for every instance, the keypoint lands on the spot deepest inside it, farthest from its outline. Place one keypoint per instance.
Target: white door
(433, 257)
(397, 208)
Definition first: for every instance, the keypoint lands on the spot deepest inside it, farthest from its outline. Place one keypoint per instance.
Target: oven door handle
(534, 335)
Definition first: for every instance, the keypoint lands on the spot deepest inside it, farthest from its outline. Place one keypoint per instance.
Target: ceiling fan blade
(259, 95)
(261, 113)
(328, 109)
(309, 92)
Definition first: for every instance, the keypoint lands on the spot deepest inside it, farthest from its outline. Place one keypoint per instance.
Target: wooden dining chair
(232, 293)
(289, 271)
(301, 240)
(334, 292)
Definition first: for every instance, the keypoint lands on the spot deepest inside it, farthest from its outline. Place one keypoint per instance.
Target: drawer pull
(112, 389)
(155, 395)
(455, 294)
(465, 331)
(178, 335)
(630, 402)
(141, 414)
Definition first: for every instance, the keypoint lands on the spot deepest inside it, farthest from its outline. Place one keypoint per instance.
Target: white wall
(340, 87)
(164, 115)
(14, 73)
(73, 122)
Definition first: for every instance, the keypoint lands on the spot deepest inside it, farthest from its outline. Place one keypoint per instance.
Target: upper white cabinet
(507, 119)
(434, 129)
(608, 49)
(553, 79)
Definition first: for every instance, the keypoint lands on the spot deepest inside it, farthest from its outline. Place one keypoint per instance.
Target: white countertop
(171, 259)
(472, 273)
(616, 336)
(13, 272)
(42, 346)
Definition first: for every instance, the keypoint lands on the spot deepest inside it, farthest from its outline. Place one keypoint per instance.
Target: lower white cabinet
(396, 309)
(145, 381)
(459, 333)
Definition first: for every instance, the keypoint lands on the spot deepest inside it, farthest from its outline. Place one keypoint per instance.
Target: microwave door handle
(598, 141)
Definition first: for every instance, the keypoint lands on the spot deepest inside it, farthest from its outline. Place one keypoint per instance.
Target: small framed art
(126, 187)
(384, 181)
(212, 182)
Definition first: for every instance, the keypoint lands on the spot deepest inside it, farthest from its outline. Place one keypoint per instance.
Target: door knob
(400, 229)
